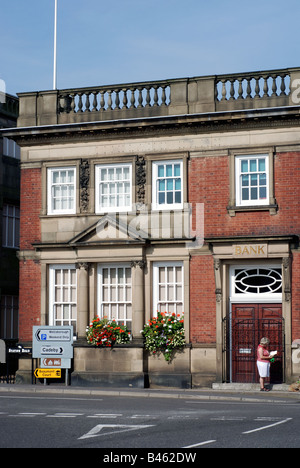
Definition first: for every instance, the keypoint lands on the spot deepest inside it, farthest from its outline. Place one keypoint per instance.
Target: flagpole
(55, 35)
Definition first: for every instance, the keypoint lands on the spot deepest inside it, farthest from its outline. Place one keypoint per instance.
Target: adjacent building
(10, 221)
(176, 195)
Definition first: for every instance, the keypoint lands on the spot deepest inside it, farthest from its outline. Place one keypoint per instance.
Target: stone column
(219, 331)
(287, 315)
(138, 314)
(82, 298)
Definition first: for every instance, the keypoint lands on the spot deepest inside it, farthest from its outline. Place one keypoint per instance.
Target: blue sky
(103, 42)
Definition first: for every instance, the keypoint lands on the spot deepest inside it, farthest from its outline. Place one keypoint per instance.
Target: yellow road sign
(47, 373)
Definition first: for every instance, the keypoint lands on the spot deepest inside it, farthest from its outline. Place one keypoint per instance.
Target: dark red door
(249, 323)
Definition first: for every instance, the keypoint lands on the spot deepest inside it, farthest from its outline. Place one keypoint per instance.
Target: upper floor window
(11, 226)
(167, 185)
(61, 190)
(113, 188)
(252, 180)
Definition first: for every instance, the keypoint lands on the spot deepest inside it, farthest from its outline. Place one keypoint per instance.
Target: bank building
(178, 195)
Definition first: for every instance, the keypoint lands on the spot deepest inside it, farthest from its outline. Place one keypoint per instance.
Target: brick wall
(30, 298)
(202, 300)
(30, 272)
(30, 206)
(209, 184)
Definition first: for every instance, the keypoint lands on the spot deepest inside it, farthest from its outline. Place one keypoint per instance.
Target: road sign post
(53, 345)
(2, 352)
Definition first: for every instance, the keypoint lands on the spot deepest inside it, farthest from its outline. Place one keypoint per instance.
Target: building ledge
(232, 210)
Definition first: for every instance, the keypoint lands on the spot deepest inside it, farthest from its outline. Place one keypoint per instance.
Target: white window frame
(244, 297)
(50, 185)
(238, 182)
(156, 285)
(53, 320)
(127, 320)
(11, 222)
(99, 208)
(155, 185)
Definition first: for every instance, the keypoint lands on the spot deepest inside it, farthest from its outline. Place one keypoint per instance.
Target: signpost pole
(7, 366)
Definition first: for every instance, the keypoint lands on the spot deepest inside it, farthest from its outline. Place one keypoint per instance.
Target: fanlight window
(258, 281)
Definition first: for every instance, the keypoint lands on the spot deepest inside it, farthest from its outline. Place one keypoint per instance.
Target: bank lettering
(255, 250)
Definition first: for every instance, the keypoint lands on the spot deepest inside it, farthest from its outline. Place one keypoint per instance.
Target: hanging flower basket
(165, 334)
(105, 333)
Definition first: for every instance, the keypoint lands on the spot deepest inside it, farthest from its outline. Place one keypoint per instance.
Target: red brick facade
(180, 153)
(30, 298)
(30, 273)
(209, 184)
(202, 300)
(31, 204)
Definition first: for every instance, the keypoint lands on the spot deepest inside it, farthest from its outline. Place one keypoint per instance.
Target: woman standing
(263, 363)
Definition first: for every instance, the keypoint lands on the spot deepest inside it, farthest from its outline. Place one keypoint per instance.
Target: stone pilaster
(82, 298)
(138, 314)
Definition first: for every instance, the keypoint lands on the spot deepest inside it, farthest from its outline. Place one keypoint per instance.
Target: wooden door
(249, 323)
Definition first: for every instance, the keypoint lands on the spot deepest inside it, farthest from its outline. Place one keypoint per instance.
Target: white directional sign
(55, 350)
(54, 334)
(51, 342)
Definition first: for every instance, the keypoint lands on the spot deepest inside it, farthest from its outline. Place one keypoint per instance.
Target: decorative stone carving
(287, 278)
(217, 269)
(140, 180)
(140, 263)
(82, 266)
(84, 181)
(218, 295)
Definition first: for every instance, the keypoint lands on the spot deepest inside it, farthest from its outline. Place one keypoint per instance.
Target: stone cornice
(167, 126)
(291, 238)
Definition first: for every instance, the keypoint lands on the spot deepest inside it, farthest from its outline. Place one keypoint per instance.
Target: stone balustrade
(207, 94)
(246, 90)
(114, 98)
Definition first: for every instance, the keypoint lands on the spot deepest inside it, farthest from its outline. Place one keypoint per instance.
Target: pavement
(226, 392)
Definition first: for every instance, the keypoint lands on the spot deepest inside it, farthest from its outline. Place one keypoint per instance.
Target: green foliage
(106, 333)
(165, 334)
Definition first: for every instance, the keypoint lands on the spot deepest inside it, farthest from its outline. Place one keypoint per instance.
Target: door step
(247, 387)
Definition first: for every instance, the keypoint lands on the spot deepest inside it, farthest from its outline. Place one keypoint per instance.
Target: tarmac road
(134, 422)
